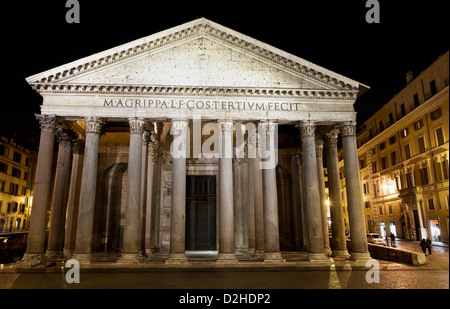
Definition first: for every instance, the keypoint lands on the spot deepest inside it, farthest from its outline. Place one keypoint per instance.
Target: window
(404, 133)
(403, 110)
(362, 163)
(17, 157)
(2, 185)
(431, 204)
(444, 165)
(391, 118)
(407, 152)
(439, 136)
(16, 172)
(416, 99)
(381, 125)
(365, 188)
(382, 146)
(433, 87)
(383, 163)
(4, 151)
(380, 210)
(421, 144)
(398, 182)
(394, 160)
(374, 166)
(367, 204)
(418, 124)
(410, 179)
(3, 167)
(13, 189)
(424, 175)
(392, 139)
(436, 114)
(390, 209)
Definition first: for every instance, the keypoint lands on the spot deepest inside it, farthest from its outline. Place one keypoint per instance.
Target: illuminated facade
(17, 166)
(403, 154)
(158, 153)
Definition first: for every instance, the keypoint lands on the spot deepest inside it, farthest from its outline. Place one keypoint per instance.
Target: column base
(341, 254)
(318, 257)
(68, 253)
(360, 257)
(176, 258)
(227, 258)
(258, 254)
(273, 257)
(32, 260)
(83, 258)
(129, 258)
(53, 254)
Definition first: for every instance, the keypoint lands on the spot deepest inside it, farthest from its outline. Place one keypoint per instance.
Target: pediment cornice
(201, 27)
(195, 91)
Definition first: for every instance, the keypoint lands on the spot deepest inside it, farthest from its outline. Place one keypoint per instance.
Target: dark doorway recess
(200, 212)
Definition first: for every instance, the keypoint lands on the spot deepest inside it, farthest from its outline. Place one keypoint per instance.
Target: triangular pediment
(200, 53)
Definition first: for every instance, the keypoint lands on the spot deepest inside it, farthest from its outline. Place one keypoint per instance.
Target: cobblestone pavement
(434, 275)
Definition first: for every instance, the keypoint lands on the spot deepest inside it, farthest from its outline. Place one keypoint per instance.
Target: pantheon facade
(223, 100)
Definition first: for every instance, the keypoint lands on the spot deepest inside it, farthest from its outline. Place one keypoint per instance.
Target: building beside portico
(195, 138)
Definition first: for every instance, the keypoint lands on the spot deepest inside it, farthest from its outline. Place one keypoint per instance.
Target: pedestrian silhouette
(429, 245)
(424, 246)
(392, 236)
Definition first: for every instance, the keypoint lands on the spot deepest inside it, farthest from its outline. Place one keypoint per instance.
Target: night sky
(333, 34)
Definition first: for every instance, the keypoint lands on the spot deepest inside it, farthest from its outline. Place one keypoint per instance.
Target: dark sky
(333, 34)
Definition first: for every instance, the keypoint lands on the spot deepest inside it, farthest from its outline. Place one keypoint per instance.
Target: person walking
(429, 245)
(392, 236)
(424, 246)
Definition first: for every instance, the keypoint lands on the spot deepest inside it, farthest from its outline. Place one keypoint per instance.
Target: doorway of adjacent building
(200, 212)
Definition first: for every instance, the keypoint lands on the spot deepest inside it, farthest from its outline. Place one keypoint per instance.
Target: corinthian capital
(348, 128)
(331, 140)
(93, 124)
(179, 127)
(307, 129)
(137, 125)
(47, 122)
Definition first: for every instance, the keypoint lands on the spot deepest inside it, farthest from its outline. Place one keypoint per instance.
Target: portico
(197, 99)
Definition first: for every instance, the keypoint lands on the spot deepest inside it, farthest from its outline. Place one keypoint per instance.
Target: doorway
(200, 212)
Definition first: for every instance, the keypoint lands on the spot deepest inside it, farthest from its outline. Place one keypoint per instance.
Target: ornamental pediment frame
(320, 82)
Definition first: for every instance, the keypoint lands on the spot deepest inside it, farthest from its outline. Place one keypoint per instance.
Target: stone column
(178, 148)
(226, 213)
(74, 198)
(312, 193)
(259, 212)
(131, 244)
(60, 194)
(270, 201)
(359, 249)
(151, 153)
(338, 240)
(323, 196)
(38, 219)
(83, 243)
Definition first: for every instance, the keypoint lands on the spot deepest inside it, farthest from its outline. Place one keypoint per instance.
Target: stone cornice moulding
(48, 88)
(199, 27)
